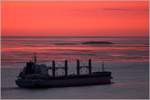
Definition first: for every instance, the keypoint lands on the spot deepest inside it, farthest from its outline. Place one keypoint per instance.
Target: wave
(66, 43)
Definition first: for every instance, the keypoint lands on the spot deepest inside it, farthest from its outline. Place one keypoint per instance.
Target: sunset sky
(74, 18)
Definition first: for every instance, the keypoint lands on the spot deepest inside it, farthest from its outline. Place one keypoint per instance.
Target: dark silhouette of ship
(36, 76)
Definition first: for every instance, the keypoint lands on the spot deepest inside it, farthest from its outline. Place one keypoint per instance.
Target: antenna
(34, 57)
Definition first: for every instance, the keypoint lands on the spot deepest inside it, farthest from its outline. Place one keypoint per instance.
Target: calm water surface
(16, 50)
(127, 59)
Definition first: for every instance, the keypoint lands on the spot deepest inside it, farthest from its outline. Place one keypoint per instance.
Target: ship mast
(34, 58)
(102, 66)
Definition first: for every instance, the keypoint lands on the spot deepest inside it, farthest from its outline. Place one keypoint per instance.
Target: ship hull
(65, 81)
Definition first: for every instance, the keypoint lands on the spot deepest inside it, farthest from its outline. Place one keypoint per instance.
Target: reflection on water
(20, 49)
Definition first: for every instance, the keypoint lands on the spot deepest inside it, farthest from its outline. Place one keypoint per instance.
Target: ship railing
(49, 67)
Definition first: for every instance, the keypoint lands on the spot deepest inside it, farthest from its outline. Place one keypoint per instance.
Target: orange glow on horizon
(103, 18)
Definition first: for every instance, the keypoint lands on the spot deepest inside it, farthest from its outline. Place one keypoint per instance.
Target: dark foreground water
(130, 80)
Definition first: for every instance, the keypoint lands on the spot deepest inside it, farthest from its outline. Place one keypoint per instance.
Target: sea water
(127, 59)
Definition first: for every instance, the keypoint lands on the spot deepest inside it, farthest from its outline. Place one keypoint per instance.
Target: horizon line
(71, 36)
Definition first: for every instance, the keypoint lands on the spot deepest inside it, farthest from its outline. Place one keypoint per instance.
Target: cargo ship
(36, 75)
